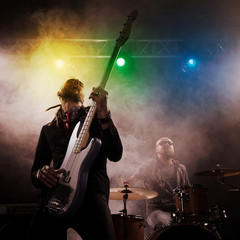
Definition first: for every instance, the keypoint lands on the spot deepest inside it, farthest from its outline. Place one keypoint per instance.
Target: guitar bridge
(60, 198)
(55, 205)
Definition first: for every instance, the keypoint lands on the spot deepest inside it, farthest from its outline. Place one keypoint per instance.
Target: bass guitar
(67, 196)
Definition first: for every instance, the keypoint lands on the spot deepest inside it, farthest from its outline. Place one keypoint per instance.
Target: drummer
(162, 173)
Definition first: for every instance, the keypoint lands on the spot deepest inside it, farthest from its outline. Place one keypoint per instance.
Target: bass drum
(183, 231)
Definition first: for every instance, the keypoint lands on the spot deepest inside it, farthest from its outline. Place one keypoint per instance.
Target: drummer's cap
(72, 90)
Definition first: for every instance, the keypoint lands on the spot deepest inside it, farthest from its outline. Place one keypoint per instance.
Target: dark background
(198, 110)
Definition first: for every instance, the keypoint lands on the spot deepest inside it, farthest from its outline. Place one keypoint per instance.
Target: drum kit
(192, 219)
(129, 227)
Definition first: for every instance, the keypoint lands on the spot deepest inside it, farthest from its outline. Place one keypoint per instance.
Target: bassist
(93, 219)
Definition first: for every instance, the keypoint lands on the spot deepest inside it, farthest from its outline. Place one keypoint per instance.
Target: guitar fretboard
(83, 134)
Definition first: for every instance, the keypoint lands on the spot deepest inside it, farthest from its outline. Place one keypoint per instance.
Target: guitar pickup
(66, 176)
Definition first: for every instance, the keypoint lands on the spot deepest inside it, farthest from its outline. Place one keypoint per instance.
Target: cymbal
(234, 190)
(133, 193)
(223, 172)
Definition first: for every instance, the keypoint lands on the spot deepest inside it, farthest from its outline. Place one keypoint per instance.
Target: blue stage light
(192, 62)
(190, 65)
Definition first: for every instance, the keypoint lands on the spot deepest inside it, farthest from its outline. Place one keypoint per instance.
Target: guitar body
(68, 195)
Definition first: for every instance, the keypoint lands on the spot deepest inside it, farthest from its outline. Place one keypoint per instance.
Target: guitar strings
(74, 152)
(81, 136)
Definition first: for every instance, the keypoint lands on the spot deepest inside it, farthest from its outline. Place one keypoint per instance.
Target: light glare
(120, 62)
(59, 63)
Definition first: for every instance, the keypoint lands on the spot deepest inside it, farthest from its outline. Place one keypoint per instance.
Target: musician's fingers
(101, 90)
(59, 171)
(53, 173)
(97, 93)
(46, 183)
(46, 177)
(94, 95)
(49, 170)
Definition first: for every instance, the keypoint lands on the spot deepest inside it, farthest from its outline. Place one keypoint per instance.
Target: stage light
(191, 62)
(190, 65)
(59, 63)
(121, 62)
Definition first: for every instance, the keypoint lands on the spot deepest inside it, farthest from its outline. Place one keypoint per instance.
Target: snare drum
(183, 231)
(191, 199)
(134, 226)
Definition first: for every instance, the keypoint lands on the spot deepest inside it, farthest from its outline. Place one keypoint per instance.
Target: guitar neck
(82, 139)
(109, 66)
(83, 136)
(124, 35)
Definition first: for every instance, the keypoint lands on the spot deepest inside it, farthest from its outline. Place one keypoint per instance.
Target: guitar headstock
(125, 33)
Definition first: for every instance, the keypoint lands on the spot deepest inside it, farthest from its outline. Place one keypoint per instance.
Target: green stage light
(121, 62)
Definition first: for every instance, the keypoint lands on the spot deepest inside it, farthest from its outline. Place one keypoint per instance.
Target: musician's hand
(99, 95)
(49, 176)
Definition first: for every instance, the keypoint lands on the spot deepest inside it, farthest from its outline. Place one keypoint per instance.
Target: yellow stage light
(59, 63)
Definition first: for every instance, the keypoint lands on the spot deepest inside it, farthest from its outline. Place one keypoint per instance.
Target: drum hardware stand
(124, 211)
(221, 180)
(182, 196)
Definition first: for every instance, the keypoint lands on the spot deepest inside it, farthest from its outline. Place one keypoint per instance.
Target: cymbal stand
(222, 181)
(124, 211)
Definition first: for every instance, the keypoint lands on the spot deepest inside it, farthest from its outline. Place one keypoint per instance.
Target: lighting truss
(102, 48)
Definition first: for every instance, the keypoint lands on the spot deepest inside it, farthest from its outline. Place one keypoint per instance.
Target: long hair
(57, 116)
(72, 91)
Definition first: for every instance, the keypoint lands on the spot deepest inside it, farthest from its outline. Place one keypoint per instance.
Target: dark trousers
(92, 221)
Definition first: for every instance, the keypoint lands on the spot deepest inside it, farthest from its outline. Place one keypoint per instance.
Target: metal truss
(102, 48)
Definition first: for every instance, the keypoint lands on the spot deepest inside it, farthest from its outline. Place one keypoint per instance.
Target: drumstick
(121, 180)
